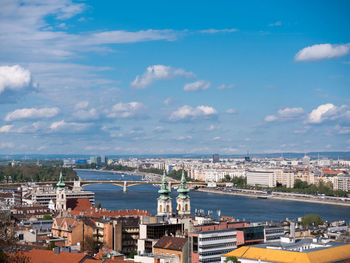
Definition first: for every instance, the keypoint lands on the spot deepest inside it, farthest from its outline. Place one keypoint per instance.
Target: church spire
(60, 184)
(183, 189)
(164, 190)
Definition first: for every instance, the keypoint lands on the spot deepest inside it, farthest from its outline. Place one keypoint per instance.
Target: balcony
(202, 250)
(217, 241)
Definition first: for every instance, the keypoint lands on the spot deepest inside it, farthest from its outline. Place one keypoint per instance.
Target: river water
(144, 196)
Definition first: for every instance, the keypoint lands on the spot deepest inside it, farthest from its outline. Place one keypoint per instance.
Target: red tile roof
(79, 204)
(171, 243)
(97, 213)
(48, 256)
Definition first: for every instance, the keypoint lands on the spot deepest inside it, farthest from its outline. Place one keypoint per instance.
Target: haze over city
(95, 77)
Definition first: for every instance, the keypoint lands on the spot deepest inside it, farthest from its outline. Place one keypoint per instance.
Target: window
(195, 244)
(20, 236)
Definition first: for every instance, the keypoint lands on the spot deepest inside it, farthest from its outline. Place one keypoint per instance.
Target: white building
(261, 178)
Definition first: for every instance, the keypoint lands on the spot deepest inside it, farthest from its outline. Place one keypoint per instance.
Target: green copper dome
(164, 190)
(183, 189)
(60, 184)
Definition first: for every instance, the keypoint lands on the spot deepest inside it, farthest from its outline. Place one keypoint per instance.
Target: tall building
(61, 199)
(261, 178)
(164, 200)
(183, 200)
(216, 158)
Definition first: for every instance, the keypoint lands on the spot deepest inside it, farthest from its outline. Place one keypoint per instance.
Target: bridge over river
(121, 183)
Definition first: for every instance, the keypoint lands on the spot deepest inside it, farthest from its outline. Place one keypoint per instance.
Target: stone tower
(183, 200)
(61, 199)
(164, 200)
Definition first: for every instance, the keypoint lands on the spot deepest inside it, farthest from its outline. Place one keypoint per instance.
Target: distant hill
(313, 155)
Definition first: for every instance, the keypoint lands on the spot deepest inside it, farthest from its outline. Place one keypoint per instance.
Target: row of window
(217, 238)
(229, 244)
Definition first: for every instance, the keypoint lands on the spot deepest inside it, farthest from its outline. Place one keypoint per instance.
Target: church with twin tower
(183, 203)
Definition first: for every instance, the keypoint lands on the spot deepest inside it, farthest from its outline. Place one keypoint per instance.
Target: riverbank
(138, 173)
(274, 197)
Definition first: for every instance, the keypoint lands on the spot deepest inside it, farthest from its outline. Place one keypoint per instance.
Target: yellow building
(303, 251)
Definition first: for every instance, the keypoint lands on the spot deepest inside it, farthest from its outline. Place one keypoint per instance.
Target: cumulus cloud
(329, 111)
(6, 128)
(212, 128)
(160, 129)
(81, 105)
(158, 72)
(127, 110)
(32, 113)
(168, 101)
(189, 113)
(86, 115)
(15, 78)
(62, 126)
(285, 114)
(322, 51)
(226, 86)
(197, 85)
(214, 31)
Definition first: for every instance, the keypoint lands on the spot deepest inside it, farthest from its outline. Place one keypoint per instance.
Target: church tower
(164, 200)
(61, 200)
(183, 200)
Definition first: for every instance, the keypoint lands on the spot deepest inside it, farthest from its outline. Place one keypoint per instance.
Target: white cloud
(31, 113)
(86, 115)
(322, 51)
(127, 110)
(212, 128)
(6, 128)
(81, 105)
(189, 113)
(229, 150)
(158, 72)
(25, 32)
(278, 23)
(329, 111)
(285, 114)
(214, 31)
(68, 127)
(160, 129)
(217, 138)
(168, 101)
(197, 85)
(14, 78)
(231, 111)
(226, 86)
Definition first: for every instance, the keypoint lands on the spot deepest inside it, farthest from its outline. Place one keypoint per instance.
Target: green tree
(227, 178)
(98, 205)
(312, 220)
(231, 259)
(47, 217)
(299, 184)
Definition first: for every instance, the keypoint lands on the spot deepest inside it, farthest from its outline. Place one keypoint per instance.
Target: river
(144, 196)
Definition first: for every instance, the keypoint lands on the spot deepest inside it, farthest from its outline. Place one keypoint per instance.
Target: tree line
(34, 173)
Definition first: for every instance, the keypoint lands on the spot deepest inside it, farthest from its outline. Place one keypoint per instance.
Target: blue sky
(143, 77)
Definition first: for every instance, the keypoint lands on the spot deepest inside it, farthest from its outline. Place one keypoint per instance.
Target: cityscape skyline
(92, 78)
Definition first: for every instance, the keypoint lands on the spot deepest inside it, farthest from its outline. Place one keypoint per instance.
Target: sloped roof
(79, 204)
(48, 256)
(171, 243)
(332, 254)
